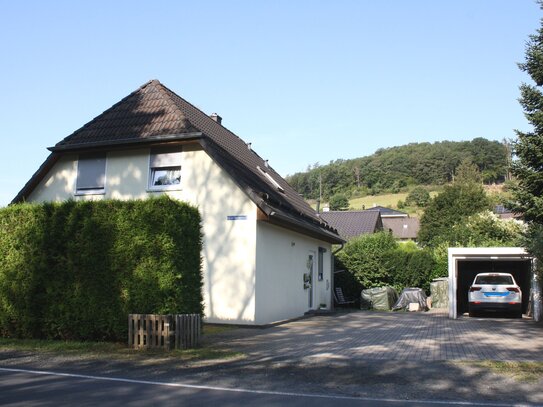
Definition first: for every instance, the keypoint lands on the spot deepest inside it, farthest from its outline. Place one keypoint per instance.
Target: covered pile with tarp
(411, 299)
(439, 290)
(379, 298)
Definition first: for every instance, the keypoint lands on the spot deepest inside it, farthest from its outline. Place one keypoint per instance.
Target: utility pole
(508, 158)
(320, 187)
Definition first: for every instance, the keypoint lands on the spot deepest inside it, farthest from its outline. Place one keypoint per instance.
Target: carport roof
(488, 251)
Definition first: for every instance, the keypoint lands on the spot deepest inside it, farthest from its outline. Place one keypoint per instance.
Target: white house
(266, 253)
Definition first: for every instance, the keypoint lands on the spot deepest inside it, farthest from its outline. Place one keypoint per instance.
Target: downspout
(340, 248)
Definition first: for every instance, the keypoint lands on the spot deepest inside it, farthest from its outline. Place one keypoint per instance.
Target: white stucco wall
(229, 246)
(281, 262)
(59, 183)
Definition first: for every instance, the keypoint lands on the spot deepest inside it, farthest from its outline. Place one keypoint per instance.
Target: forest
(395, 168)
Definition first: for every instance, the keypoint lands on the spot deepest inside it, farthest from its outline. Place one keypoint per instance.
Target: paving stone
(405, 336)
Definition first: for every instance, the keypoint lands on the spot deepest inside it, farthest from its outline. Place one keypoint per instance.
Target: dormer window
(91, 174)
(165, 168)
(270, 179)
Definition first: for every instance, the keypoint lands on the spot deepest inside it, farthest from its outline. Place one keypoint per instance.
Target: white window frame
(171, 160)
(98, 190)
(270, 179)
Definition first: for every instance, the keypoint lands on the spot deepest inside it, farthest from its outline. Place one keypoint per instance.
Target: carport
(465, 263)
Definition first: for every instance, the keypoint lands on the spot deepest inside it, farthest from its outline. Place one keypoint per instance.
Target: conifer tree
(528, 148)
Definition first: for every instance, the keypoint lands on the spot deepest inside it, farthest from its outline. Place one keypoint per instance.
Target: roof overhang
(163, 138)
(274, 216)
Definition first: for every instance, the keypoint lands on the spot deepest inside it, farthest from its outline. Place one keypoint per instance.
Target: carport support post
(536, 291)
(452, 284)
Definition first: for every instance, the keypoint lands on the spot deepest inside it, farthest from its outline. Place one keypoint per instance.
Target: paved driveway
(391, 336)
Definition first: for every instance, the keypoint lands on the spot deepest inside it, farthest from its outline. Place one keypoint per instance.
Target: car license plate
(492, 294)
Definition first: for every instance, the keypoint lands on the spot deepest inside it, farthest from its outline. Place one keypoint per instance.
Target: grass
(59, 346)
(520, 371)
(112, 350)
(386, 200)
(211, 329)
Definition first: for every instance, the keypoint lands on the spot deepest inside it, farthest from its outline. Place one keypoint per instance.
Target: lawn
(116, 351)
(386, 200)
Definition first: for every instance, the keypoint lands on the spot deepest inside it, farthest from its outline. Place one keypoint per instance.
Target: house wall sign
(236, 217)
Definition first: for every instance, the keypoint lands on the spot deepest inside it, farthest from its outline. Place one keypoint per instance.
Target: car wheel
(472, 313)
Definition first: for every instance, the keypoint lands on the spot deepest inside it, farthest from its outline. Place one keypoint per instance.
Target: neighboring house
(388, 212)
(402, 228)
(262, 241)
(351, 224)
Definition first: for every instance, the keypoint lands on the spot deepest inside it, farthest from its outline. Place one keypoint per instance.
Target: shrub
(377, 260)
(364, 258)
(419, 196)
(409, 266)
(339, 202)
(75, 270)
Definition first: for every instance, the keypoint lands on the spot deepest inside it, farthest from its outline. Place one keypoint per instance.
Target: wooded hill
(391, 169)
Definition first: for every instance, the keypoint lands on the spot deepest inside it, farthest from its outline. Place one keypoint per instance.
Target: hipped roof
(153, 114)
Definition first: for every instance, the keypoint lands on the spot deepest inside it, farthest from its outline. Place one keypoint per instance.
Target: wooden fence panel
(187, 330)
(181, 331)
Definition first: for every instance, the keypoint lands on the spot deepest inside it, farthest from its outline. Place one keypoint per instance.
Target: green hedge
(75, 270)
(376, 260)
(410, 266)
(365, 257)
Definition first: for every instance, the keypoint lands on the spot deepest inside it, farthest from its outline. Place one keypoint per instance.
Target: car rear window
(494, 279)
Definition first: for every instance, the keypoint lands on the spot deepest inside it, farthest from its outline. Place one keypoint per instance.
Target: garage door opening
(466, 263)
(468, 269)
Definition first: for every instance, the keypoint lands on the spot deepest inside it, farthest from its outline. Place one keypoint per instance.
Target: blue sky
(304, 81)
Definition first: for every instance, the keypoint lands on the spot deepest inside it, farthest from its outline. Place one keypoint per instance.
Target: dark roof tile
(154, 111)
(351, 224)
(402, 228)
(387, 212)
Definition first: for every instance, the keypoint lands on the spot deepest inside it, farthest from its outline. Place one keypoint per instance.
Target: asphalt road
(20, 387)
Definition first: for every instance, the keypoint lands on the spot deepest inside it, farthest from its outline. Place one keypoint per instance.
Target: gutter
(127, 141)
(340, 248)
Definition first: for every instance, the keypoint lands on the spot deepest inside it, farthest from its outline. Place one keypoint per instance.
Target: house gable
(154, 115)
(402, 228)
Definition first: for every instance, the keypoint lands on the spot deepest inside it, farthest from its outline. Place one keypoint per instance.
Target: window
(91, 174)
(165, 169)
(270, 179)
(320, 274)
(495, 279)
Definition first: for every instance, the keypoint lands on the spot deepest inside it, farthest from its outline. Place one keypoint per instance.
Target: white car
(495, 292)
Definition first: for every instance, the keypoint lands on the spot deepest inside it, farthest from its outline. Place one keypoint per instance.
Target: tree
(453, 206)
(419, 196)
(528, 148)
(394, 168)
(467, 172)
(486, 229)
(339, 202)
